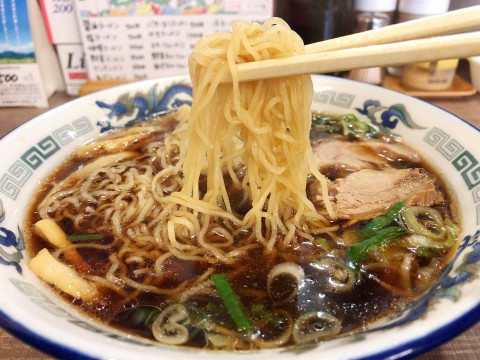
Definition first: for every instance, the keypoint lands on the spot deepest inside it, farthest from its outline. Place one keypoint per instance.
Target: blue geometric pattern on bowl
(11, 245)
(462, 160)
(389, 117)
(22, 169)
(144, 106)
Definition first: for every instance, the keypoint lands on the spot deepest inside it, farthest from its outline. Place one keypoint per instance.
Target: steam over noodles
(226, 225)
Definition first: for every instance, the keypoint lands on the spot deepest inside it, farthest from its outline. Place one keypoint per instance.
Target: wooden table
(466, 346)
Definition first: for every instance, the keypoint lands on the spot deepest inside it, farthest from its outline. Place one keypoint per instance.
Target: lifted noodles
(264, 125)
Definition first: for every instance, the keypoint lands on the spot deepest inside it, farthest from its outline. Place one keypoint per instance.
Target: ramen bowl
(32, 312)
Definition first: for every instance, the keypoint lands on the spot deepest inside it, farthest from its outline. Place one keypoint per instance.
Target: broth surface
(307, 291)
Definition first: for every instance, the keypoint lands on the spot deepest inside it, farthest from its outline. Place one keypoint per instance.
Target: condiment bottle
(434, 76)
(415, 9)
(427, 76)
(380, 7)
(316, 20)
(369, 15)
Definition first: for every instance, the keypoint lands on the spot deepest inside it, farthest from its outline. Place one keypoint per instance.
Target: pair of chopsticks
(419, 40)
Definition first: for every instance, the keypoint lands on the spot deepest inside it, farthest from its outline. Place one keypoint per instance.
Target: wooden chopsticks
(413, 41)
(452, 22)
(443, 47)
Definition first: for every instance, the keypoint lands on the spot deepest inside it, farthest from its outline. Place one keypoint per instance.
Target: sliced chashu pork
(368, 193)
(338, 158)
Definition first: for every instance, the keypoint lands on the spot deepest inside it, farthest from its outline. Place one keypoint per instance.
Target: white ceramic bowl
(29, 310)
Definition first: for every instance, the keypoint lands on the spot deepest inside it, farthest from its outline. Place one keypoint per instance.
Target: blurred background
(79, 46)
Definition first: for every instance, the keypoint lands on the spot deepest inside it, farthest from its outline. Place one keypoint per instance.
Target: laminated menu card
(29, 70)
(139, 39)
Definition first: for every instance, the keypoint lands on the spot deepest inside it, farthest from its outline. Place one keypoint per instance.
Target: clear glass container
(316, 20)
(430, 76)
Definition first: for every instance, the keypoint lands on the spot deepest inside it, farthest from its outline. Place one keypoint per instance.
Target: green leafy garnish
(358, 252)
(355, 128)
(260, 311)
(382, 221)
(231, 301)
(426, 252)
(327, 124)
(85, 237)
(141, 316)
(323, 243)
(347, 124)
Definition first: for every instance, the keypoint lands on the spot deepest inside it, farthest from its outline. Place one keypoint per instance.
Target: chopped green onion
(144, 315)
(358, 252)
(419, 241)
(315, 326)
(85, 237)
(326, 124)
(425, 221)
(323, 243)
(231, 301)
(452, 233)
(259, 310)
(347, 124)
(139, 317)
(426, 252)
(355, 128)
(380, 222)
(212, 308)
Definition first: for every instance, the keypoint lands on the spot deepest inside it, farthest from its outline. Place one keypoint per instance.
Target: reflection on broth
(243, 222)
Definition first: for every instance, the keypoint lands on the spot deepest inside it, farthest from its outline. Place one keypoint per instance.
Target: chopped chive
(426, 252)
(143, 316)
(358, 252)
(85, 237)
(263, 313)
(231, 301)
(323, 243)
(380, 222)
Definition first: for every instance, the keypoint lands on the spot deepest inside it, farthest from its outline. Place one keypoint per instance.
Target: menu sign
(136, 39)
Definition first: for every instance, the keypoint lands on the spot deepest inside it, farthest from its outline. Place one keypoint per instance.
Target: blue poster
(20, 78)
(16, 45)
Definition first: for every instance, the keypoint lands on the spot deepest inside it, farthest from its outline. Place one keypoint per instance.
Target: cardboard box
(63, 32)
(72, 62)
(61, 21)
